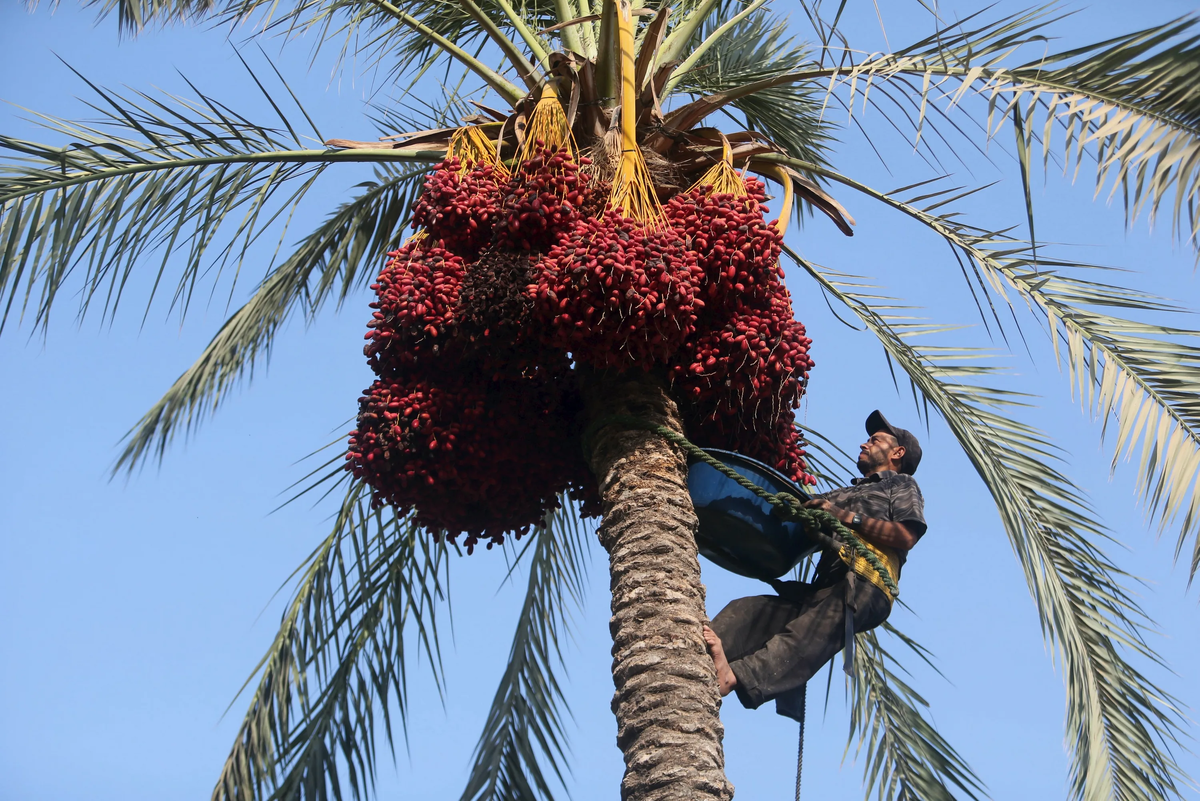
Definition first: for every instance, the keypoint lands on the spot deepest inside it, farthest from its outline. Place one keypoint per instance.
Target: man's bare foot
(725, 677)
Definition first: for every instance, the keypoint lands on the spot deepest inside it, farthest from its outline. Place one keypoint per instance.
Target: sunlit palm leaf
(691, 17)
(1121, 727)
(156, 176)
(825, 460)
(406, 39)
(906, 758)
(1132, 103)
(426, 37)
(755, 50)
(134, 15)
(1141, 376)
(379, 32)
(339, 658)
(340, 256)
(712, 32)
(524, 735)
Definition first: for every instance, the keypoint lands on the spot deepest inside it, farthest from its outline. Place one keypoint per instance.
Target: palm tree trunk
(666, 699)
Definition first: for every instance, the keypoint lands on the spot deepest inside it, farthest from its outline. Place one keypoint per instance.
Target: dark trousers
(776, 643)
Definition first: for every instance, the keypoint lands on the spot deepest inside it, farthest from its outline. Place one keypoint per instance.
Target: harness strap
(860, 566)
(848, 643)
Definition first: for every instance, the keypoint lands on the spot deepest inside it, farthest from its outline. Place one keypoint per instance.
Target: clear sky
(135, 609)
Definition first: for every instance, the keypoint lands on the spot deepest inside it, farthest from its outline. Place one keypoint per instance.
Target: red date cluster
(744, 370)
(617, 294)
(474, 422)
(469, 456)
(417, 298)
(751, 367)
(543, 201)
(459, 207)
(737, 248)
(495, 310)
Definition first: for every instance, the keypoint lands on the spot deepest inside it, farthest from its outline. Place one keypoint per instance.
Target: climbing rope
(800, 749)
(818, 524)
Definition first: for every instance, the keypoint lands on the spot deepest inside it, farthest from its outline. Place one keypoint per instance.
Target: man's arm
(884, 533)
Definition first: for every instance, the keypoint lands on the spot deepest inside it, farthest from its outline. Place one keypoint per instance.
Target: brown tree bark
(666, 701)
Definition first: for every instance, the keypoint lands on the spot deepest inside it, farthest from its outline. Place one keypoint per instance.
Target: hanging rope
(818, 524)
(800, 749)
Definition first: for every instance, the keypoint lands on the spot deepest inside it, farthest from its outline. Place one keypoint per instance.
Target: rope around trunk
(818, 524)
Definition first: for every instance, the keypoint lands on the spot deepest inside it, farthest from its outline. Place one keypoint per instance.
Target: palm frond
(1131, 104)
(135, 15)
(431, 38)
(573, 38)
(524, 727)
(906, 758)
(825, 459)
(758, 50)
(416, 114)
(407, 39)
(1140, 375)
(522, 22)
(339, 658)
(341, 255)
(528, 73)
(1121, 726)
(713, 31)
(156, 176)
(691, 19)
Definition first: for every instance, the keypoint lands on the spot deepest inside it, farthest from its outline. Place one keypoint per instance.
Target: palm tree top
(157, 176)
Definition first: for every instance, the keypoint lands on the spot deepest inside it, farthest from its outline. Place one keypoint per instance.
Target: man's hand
(825, 506)
(879, 532)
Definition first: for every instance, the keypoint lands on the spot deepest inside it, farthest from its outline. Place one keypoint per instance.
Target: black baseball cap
(912, 448)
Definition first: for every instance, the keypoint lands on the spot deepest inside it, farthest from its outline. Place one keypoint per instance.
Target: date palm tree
(174, 186)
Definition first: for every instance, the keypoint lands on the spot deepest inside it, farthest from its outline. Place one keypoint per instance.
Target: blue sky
(136, 608)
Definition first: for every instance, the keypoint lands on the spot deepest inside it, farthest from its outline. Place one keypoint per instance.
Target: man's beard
(865, 465)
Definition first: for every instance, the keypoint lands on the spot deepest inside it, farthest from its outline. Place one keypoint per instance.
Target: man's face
(877, 453)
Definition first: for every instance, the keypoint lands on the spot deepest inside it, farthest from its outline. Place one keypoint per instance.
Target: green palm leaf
(407, 39)
(691, 17)
(710, 33)
(524, 728)
(331, 261)
(375, 575)
(907, 760)
(1121, 727)
(154, 176)
(756, 50)
(135, 15)
(1131, 104)
(826, 461)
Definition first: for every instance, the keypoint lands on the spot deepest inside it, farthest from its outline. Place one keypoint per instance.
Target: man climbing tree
(768, 646)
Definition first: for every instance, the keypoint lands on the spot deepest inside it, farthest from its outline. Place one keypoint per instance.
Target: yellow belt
(862, 567)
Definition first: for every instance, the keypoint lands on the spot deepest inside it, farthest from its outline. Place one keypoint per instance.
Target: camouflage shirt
(885, 495)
